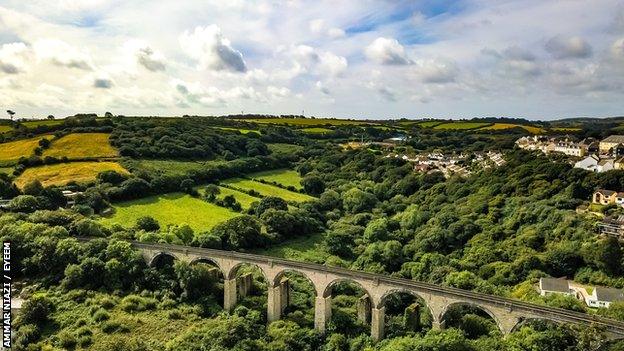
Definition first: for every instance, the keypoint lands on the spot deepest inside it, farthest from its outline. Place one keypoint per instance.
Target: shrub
(84, 341)
(174, 314)
(26, 335)
(110, 326)
(107, 303)
(66, 340)
(101, 315)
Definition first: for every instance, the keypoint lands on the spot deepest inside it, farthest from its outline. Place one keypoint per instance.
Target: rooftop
(553, 284)
(609, 294)
(614, 139)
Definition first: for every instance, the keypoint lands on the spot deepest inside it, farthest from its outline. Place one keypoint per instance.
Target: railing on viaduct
(507, 313)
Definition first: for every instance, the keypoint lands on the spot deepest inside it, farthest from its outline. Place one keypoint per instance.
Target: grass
(501, 126)
(461, 125)
(42, 122)
(285, 177)
(566, 129)
(308, 121)
(173, 208)
(267, 189)
(169, 167)
(243, 131)
(6, 170)
(5, 128)
(316, 130)
(13, 150)
(429, 124)
(244, 199)
(305, 248)
(282, 148)
(81, 145)
(63, 173)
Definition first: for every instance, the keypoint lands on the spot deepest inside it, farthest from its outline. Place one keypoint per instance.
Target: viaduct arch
(507, 313)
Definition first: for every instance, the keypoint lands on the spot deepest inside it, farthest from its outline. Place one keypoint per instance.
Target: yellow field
(13, 150)
(308, 121)
(459, 125)
(63, 173)
(81, 145)
(499, 126)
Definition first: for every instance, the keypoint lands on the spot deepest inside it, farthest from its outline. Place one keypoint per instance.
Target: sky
(535, 59)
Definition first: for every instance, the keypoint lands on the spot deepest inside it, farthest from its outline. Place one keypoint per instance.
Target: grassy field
(6, 170)
(285, 177)
(299, 249)
(244, 199)
(316, 130)
(308, 121)
(460, 125)
(284, 148)
(243, 131)
(62, 173)
(42, 122)
(500, 126)
(5, 128)
(168, 167)
(266, 189)
(81, 145)
(174, 208)
(568, 129)
(13, 150)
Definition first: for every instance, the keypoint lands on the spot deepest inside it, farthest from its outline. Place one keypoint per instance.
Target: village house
(608, 197)
(569, 148)
(610, 143)
(603, 297)
(612, 226)
(548, 286)
(594, 163)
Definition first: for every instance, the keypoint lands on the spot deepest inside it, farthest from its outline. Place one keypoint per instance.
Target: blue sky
(354, 59)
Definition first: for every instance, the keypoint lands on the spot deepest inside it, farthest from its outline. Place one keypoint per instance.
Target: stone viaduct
(508, 314)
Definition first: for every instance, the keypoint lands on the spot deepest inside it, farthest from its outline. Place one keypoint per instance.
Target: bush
(113, 326)
(134, 303)
(101, 315)
(84, 341)
(66, 340)
(36, 310)
(174, 314)
(147, 223)
(26, 335)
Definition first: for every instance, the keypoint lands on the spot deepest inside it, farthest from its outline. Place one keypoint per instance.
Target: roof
(609, 294)
(552, 284)
(605, 192)
(614, 139)
(604, 162)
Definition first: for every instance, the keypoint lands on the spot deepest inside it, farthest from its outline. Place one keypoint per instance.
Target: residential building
(605, 197)
(609, 143)
(604, 165)
(602, 297)
(549, 286)
(589, 163)
(612, 226)
(569, 148)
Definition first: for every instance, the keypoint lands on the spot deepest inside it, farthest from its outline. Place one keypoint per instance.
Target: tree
(240, 233)
(313, 185)
(147, 223)
(50, 117)
(33, 188)
(356, 200)
(36, 310)
(108, 115)
(274, 202)
(24, 203)
(11, 114)
(211, 191)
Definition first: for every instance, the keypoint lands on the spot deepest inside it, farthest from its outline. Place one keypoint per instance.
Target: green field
(267, 189)
(502, 126)
(81, 145)
(42, 122)
(243, 131)
(282, 148)
(63, 173)
(169, 167)
(244, 199)
(316, 130)
(461, 125)
(285, 177)
(305, 248)
(5, 128)
(13, 150)
(174, 208)
(308, 121)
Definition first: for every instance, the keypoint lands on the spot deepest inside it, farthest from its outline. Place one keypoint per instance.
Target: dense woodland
(497, 232)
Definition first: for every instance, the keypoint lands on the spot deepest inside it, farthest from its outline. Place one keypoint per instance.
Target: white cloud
(62, 54)
(13, 58)
(562, 47)
(309, 60)
(387, 51)
(278, 92)
(617, 48)
(436, 71)
(319, 27)
(208, 46)
(151, 60)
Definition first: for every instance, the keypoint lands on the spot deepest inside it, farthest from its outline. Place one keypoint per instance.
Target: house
(604, 165)
(607, 197)
(602, 297)
(589, 163)
(569, 148)
(619, 163)
(549, 286)
(608, 144)
(612, 226)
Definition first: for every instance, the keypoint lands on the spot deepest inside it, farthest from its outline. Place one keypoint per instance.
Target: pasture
(285, 177)
(308, 121)
(316, 130)
(63, 173)
(502, 126)
(242, 130)
(244, 199)
(266, 189)
(81, 146)
(13, 150)
(461, 125)
(173, 208)
(169, 167)
(42, 122)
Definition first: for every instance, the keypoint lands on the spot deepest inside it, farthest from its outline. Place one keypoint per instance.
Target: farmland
(63, 173)
(168, 167)
(460, 125)
(242, 130)
(308, 121)
(81, 146)
(266, 189)
(4, 128)
(502, 126)
(244, 199)
(284, 148)
(173, 208)
(285, 177)
(13, 150)
(42, 122)
(316, 130)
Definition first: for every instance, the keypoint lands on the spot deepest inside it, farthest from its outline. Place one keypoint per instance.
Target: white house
(602, 297)
(549, 286)
(605, 165)
(589, 163)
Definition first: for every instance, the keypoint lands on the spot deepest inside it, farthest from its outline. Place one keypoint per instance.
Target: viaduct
(507, 313)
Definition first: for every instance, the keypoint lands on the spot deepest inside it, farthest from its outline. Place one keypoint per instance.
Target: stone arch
(524, 320)
(482, 308)
(391, 292)
(209, 261)
(159, 255)
(231, 274)
(280, 274)
(328, 289)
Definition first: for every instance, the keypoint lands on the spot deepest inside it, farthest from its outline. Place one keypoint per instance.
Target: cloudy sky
(539, 59)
